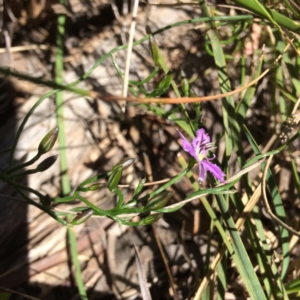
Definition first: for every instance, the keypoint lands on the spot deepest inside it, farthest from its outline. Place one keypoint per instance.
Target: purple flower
(199, 148)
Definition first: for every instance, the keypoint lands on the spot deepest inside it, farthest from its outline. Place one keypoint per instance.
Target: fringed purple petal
(202, 136)
(186, 145)
(202, 172)
(214, 170)
(200, 141)
(198, 149)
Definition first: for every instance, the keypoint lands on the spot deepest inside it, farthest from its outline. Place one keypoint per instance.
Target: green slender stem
(21, 174)
(26, 188)
(59, 67)
(143, 91)
(98, 210)
(123, 210)
(93, 179)
(121, 197)
(21, 128)
(173, 180)
(64, 199)
(65, 181)
(39, 206)
(24, 165)
(5, 150)
(76, 264)
(51, 84)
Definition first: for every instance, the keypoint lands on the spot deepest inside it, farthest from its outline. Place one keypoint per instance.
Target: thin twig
(122, 186)
(25, 48)
(264, 183)
(149, 172)
(100, 96)
(18, 293)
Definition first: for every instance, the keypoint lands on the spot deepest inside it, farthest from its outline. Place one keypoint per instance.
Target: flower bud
(47, 201)
(82, 217)
(48, 141)
(184, 84)
(114, 178)
(151, 219)
(46, 163)
(153, 47)
(159, 200)
(154, 50)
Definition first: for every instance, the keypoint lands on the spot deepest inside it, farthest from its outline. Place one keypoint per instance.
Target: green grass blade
(278, 207)
(273, 16)
(240, 255)
(221, 278)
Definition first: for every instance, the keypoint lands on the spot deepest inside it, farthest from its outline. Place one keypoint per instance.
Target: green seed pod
(48, 141)
(184, 84)
(46, 163)
(154, 50)
(159, 200)
(114, 178)
(153, 47)
(151, 219)
(82, 217)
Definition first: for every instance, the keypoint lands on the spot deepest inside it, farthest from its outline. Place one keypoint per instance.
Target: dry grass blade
(142, 278)
(25, 48)
(129, 50)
